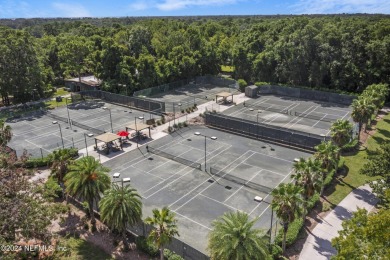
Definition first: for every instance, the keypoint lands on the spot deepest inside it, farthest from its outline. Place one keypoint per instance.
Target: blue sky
(118, 8)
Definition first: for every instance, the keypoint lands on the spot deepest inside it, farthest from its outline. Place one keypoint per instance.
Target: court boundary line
(242, 186)
(220, 202)
(265, 169)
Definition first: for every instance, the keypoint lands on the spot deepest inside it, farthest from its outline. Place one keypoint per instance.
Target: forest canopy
(345, 52)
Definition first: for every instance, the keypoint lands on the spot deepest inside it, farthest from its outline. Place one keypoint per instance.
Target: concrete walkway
(318, 244)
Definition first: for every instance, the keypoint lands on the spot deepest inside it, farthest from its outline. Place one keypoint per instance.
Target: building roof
(107, 137)
(224, 94)
(89, 80)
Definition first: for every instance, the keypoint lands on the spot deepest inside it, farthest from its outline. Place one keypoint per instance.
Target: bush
(182, 111)
(242, 84)
(259, 83)
(146, 246)
(351, 146)
(276, 251)
(175, 126)
(163, 119)
(180, 125)
(312, 201)
(158, 122)
(292, 233)
(51, 189)
(93, 229)
(169, 255)
(328, 178)
(39, 162)
(185, 124)
(201, 115)
(170, 129)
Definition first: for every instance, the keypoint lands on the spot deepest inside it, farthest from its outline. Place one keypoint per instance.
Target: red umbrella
(122, 133)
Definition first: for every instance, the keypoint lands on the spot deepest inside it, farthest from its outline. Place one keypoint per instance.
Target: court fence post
(41, 152)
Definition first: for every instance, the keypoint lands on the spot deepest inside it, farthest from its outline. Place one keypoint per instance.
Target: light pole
(86, 146)
(62, 139)
(136, 129)
(123, 180)
(112, 130)
(205, 147)
(67, 110)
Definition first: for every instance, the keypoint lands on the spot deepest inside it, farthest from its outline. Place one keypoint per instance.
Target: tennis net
(85, 127)
(174, 158)
(315, 117)
(268, 108)
(240, 181)
(60, 118)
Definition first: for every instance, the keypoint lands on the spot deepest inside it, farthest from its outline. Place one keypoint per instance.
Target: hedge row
(47, 161)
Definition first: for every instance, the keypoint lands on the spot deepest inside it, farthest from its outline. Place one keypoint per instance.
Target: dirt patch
(75, 222)
(196, 121)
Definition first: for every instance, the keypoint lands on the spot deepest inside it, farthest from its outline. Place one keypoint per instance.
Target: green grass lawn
(225, 68)
(354, 163)
(53, 103)
(77, 248)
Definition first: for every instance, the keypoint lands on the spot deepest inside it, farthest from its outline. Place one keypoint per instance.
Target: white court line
(268, 196)
(147, 173)
(267, 121)
(301, 118)
(243, 185)
(265, 169)
(37, 146)
(319, 120)
(245, 108)
(207, 186)
(270, 156)
(191, 219)
(165, 186)
(219, 202)
(295, 118)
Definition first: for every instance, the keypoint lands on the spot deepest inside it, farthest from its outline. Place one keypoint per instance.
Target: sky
(120, 8)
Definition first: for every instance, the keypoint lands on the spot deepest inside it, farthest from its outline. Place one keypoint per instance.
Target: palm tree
(87, 179)
(362, 110)
(5, 133)
(286, 203)
(329, 155)
(308, 176)
(61, 159)
(119, 207)
(165, 228)
(341, 132)
(233, 237)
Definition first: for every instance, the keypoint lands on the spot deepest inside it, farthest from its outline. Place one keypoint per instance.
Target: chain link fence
(264, 132)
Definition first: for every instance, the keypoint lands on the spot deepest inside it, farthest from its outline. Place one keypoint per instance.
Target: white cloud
(169, 5)
(139, 6)
(71, 10)
(17, 9)
(341, 6)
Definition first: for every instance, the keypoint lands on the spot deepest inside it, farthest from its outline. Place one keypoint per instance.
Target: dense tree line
(337, 52)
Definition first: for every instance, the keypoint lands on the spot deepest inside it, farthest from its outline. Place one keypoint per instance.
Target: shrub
(276, 251)
(195, 105)
(51, 189)
(146, 246)
(86, 226)
(201, 115)
(158, 122)
(242, 84)
(312, 201)
(163, 119)
(170, 129)
(328, 178)
(169, 255)
(182, 111)
(93, 229)
(185, 124)
(188, 110)
(292, 233)
(180, 125)
(259, 83)
(351, 146)
(175, 126)
(39, 162)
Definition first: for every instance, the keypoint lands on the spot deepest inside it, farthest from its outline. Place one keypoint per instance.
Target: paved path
(318, 243)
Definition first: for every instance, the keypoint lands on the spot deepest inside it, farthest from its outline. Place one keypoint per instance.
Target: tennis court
(38, 135)
(189, 95)
(238, 170)
(313, 117)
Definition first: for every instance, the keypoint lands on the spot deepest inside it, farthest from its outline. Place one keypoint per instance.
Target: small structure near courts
(106, 138)
(138, 127)
(224, 96)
